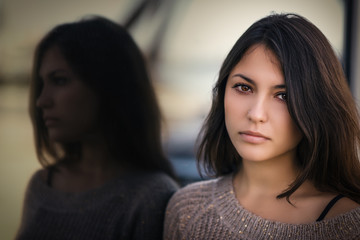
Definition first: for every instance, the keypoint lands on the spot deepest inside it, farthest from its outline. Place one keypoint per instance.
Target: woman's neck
(266, 178)
(94, 155)
(95, 167)
(258, 184)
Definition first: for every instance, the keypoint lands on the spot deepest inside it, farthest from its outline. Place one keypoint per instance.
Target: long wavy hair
(108, 60)
(319, 102)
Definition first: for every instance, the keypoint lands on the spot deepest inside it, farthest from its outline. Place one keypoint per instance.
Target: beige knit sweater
(209, 210)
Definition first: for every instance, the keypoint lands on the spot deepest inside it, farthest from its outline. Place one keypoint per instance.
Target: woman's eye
(59, 80)
(242, 88)
(282, 96)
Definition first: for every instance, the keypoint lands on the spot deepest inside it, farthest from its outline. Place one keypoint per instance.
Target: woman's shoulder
(194, 195)
(189, 203)
(38, 177)
(154, 181)
(155, 187)
(36, 186)
(200, 188)
(344, 206)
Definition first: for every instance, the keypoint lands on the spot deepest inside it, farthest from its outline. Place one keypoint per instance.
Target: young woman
(282, 137)
(97, 133)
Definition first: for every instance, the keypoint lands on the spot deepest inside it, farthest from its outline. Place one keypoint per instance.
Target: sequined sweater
(129, 207)
(210, 210)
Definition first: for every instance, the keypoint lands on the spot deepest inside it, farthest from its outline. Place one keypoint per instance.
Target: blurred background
(184, 42)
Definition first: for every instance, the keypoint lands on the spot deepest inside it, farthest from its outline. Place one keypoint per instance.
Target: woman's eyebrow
(52, 73)
(280, 86)
(56, 71)
(249, 80)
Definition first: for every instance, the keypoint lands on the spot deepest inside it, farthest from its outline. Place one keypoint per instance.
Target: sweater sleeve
(183, 208)
(173, 225)
(29, 205)
(149, 216)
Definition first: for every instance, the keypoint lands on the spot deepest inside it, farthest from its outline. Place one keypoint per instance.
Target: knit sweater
(129, 207)
(210, 210)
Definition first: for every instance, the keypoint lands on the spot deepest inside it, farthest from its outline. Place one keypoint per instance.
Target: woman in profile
(282, 138)
(97, 129)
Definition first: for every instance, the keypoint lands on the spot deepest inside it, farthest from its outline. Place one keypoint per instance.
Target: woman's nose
(45, 99)
(258, 111)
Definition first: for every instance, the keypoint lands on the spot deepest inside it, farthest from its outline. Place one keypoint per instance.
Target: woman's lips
(50, 121)
(253, 137)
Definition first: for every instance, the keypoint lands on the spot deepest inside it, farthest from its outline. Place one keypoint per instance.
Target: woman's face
(69, 107)
(256, 114)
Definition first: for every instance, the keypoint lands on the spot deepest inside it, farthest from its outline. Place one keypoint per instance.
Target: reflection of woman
(97, 133)
(283, 137)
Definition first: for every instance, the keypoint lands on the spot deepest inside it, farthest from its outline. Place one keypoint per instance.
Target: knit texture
(129, 207)
(210, 210)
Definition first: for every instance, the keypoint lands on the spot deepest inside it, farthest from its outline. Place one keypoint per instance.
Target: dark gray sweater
(129, 207)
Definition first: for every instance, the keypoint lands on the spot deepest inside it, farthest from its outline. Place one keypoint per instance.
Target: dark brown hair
(108, 60)
(319, 102)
